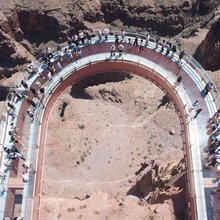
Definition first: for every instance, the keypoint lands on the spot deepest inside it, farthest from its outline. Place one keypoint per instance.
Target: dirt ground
(96, 143)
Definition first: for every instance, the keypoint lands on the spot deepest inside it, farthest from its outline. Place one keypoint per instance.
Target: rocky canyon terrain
(112, 151)
(24, 24)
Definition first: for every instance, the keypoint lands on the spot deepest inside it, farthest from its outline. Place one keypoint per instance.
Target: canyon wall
(25, 25)
(208, 53)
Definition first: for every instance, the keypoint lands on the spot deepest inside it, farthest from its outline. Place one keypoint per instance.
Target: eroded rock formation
(159, 182)
(208, 53)
(163, 17)
(12, 52)
(156, 184)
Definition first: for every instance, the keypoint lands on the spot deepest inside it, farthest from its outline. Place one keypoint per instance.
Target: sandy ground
(101, 206)
(95, 145)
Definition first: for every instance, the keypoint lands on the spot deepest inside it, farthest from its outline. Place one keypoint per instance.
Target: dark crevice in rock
(38, 27)
(8, 72)
(3, 93)
(206, 6)
(208, 52)
(78, 89)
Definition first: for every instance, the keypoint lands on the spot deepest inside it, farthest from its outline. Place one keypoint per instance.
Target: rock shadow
(165, 101)
(3, 93)
(62, 108)
(156, 184)
(78, 89)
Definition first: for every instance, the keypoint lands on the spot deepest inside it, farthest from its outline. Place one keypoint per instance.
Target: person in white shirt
(113, 50)
(123, 33)
(147, 40)
(141, 45)
(82, 37)
(99, 33)
(30, 113)
(120, 49)
(106, 33)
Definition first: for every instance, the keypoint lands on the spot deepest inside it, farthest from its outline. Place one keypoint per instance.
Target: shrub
(81, 126)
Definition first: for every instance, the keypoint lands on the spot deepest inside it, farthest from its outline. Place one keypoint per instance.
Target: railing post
(36, 146)
(215, 98)
(43, 106)
(190, 145)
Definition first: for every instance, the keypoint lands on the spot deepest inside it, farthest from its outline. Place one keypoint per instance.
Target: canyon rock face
(208, 53)
(24, 25)
(165, 18)
(159, 180)
(157, 183)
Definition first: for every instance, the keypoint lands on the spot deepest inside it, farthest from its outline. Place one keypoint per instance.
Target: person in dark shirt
(135, 41)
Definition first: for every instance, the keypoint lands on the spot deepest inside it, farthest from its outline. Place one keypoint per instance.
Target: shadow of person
(110, 57)
(143, 166)
(117, 56)
(215, 180)
(164, 101)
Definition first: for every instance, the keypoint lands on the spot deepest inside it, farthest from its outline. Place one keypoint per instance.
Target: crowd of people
(73, 52)
(143, 42)
(14, 144)
(55, 62)
(213, 150)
